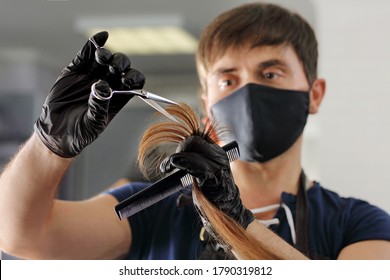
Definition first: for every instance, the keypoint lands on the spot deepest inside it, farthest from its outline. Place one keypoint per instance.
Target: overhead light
(149, 40)
(161, 35)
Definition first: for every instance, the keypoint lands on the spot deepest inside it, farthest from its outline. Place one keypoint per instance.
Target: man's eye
(270, 75)
(225, 83)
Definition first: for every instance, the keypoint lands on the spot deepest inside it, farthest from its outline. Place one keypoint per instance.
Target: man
(256, 58)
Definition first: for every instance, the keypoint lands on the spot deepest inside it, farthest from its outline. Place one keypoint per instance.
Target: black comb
(164, 187)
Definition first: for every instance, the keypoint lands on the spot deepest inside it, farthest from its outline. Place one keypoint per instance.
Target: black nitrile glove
(72, 117)
(209, 164)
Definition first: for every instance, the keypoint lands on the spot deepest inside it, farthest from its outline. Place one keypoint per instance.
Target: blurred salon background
(347, 144)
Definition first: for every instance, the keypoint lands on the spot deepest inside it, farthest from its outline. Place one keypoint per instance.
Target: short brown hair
(258, 24)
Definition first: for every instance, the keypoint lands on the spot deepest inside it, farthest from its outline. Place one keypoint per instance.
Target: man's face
(275, 66)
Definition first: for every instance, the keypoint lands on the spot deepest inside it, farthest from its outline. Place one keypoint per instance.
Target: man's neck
(262, 184)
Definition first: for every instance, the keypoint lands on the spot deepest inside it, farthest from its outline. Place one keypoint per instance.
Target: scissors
(146, 96)
(150, 99)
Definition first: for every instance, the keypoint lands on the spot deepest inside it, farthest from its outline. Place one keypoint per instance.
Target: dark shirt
(168, 231)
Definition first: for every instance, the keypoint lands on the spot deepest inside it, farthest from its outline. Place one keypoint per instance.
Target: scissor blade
(159, 98)
(146, 94)
(158, 108)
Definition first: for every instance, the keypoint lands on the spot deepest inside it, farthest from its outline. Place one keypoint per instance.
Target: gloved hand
(72, 117)
(209, 164)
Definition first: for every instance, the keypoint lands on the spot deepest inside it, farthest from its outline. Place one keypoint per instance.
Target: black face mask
(265, 121)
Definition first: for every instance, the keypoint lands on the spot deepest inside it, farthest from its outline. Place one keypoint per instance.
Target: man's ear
(317, 93)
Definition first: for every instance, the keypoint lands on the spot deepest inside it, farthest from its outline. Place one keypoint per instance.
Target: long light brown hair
(169, 134)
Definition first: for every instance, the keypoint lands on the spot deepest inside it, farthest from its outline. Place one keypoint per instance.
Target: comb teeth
(233, 154)
(186, 180)
(232, 150)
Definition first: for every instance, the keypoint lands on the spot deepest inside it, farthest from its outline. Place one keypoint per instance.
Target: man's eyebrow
(272, 62)
(224, 70)
(262, 65)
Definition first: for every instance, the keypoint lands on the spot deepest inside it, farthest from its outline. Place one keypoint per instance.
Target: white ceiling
(46, 29)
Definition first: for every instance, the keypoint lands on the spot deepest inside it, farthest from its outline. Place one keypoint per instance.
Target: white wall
(348, 146)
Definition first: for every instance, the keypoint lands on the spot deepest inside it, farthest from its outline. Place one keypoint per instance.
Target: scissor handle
(96, 94)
